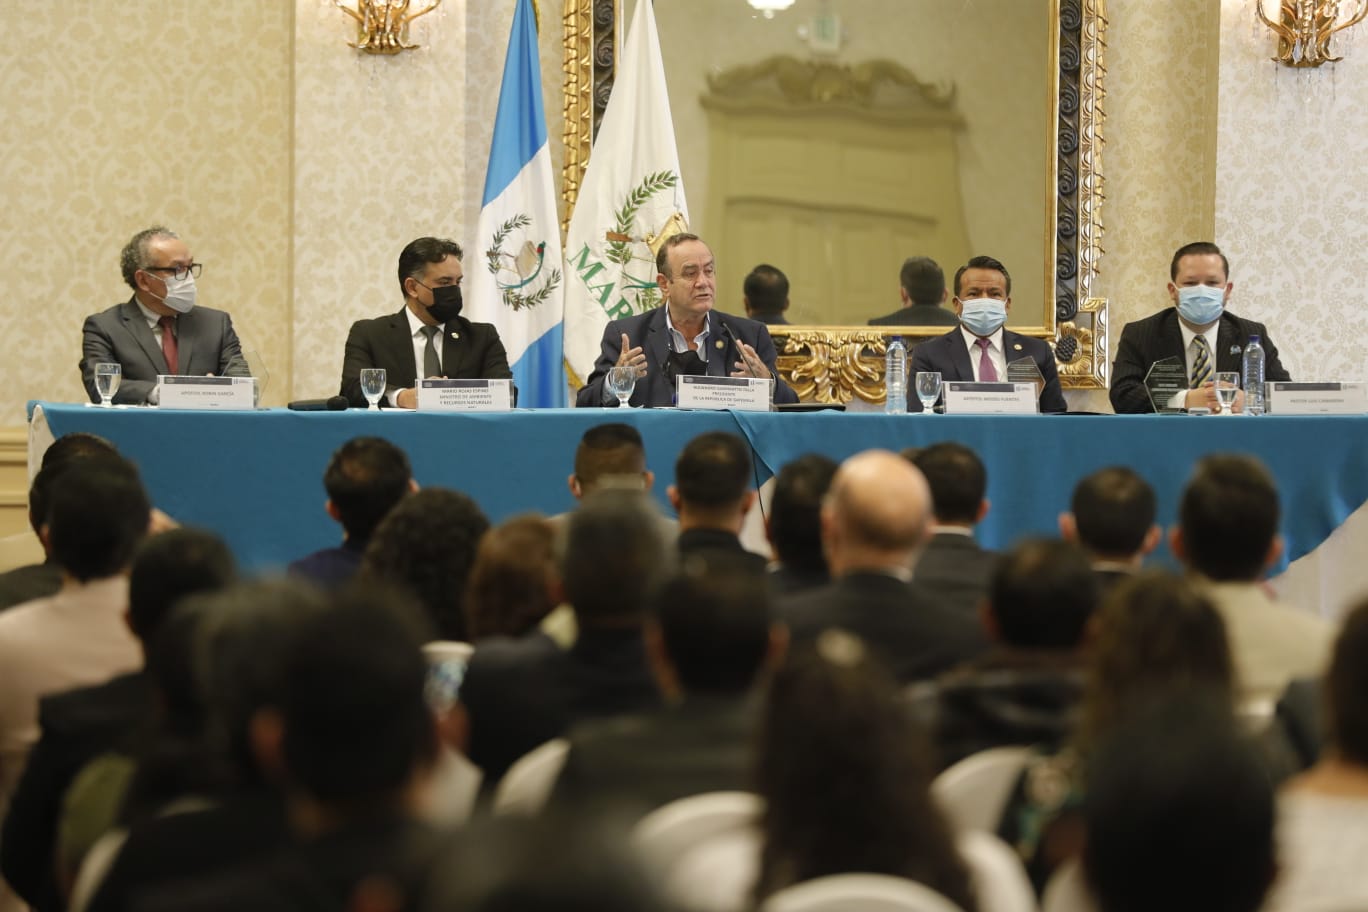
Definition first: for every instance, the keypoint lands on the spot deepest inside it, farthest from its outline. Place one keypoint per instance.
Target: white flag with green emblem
(633, 188)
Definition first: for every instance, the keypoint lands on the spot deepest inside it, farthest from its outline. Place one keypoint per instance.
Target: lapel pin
(455, 335)
(720, 344)
(1235, 349)
(1016, 347)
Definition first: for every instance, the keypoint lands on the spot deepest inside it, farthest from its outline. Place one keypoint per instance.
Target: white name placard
(1335, 397)
(221, 394)
(965, 398)
(465, 395)
(744, 394)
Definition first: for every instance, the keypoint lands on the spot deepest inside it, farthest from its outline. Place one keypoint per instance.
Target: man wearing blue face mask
(1198, 330)
(159, 330)
(428, 338)
(981, 347)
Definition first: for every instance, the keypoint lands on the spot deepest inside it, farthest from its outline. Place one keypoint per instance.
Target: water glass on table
(107, 378)
(621, 382)
(373, 382)
(928, 390)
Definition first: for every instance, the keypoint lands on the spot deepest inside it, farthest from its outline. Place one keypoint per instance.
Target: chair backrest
(999, 879)
(662, 835)
(524, 789)
(447, 650)
(1067, 891)
(717, 875)
(858, 893)
(974, 791)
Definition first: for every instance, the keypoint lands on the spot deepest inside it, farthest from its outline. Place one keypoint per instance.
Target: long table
(256, 477)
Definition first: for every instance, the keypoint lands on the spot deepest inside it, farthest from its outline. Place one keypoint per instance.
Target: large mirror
(835, 139)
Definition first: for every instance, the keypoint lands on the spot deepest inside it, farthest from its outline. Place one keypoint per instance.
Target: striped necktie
(1201, 361)
(432, 365)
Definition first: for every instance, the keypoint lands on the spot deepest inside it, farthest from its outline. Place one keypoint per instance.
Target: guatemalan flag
(516, 281)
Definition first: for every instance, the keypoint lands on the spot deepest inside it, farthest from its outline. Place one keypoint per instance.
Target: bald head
(877, 512)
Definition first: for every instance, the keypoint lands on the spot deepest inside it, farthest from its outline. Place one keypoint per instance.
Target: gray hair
(135, 255)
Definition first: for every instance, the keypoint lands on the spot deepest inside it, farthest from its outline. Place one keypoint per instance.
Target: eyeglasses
(178, 272)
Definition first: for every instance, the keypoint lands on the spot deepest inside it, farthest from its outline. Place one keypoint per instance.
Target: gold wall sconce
(382, 25)
(1305, 27)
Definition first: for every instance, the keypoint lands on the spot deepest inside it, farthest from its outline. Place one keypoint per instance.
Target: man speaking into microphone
(428, 338)
(685, 335)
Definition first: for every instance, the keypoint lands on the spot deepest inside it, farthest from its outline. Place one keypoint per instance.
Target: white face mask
(983, 316)
(180, 293)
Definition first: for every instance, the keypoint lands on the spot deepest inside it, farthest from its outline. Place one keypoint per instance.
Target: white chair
(664, 835)
(525, 788)
(717, 875)
(974, 791)
(447, 650)
(1067, 891)
(999, 879)
(858, 893)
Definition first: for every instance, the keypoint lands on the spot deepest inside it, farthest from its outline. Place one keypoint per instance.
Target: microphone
(331, 404)
(726, 331)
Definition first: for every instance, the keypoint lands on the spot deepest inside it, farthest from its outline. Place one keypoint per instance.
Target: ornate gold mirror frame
(841, 363)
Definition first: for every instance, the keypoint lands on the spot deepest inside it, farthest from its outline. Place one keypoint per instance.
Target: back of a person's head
(614, 557)
(62, 451)
(97, 516)
(551, 863)
(1153, 632)
(713, 471)
(170, 566)
(365, 478)
(513, 580)
(957, 479)
(356, 725)
(714, 620)
(1179, 813)
(766, 289)
(1229, 517)
(1347, 685)
(1042, 594)
(244, 634)
(427, 545)
(795, 516)
(1113, 510)
(610, 454)
(923, 280)
(845, 776)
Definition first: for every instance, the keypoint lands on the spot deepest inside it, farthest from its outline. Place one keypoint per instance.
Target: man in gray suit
(159, 330)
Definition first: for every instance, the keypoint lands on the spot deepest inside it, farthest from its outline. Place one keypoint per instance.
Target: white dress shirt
(419, 349)
(995, 353)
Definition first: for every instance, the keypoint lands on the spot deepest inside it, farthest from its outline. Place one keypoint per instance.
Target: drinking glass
(373, 385)
(107, 377)
(621, 382)
(928, 390)
(1227, 388)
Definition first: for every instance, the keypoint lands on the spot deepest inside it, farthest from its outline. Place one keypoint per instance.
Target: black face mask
(446, 303)
(687, 363)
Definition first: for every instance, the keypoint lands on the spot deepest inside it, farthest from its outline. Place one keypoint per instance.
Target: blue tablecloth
(256, 477)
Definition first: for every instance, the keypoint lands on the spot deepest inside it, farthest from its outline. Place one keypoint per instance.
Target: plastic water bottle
(1253, 377)
(895, 377)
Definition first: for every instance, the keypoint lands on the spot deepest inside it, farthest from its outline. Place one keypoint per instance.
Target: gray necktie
(432, 365)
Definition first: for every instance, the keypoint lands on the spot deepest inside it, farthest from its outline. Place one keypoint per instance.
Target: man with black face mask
(160, 330)
(428, 338)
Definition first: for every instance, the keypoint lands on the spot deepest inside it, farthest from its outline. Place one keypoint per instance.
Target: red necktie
(987, 373)
(168, 328)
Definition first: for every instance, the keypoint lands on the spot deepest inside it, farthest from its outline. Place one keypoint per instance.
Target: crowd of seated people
(444, 713)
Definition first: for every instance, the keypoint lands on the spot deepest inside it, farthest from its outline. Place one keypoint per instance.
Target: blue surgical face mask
(1200, 304)
(983, 316)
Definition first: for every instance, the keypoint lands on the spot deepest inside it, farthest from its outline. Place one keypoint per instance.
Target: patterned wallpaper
(120, 115)
(297, 169)
(1292, 195)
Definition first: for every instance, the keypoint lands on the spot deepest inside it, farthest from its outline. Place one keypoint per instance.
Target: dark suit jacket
(657, 388)
(954, 571)
(918, 315)
(1159, 336)
(949, 355)
(703, 542)
(786, 579)
(641, 762)
(75, 726)
(916, 637)
(521, 693)
(387, 342)
(205, 344)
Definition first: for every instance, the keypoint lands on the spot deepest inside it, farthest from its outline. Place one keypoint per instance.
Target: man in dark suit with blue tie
(1197, 329)
(428, 338)
(159, 330)
(981, 347)
(685, 335)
